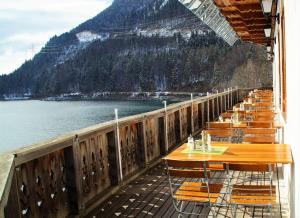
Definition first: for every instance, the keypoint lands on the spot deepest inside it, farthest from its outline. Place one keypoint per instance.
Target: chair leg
(213, 211)
(233, 210)
(271, 211)
(180, 210)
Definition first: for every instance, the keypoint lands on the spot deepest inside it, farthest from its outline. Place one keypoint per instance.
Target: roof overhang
(249, 20)
(211, 15)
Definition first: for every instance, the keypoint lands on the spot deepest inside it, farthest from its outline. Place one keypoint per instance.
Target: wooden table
(239, 153)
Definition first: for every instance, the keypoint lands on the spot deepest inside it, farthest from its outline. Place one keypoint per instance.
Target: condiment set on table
(203, 144)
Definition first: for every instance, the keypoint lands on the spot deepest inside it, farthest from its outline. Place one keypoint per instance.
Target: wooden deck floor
(148, 196)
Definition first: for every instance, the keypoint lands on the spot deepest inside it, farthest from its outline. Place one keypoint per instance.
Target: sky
(26, 25)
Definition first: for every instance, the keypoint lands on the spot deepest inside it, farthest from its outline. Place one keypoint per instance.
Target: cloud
(27, 24)
(39, 37)
(10, 59)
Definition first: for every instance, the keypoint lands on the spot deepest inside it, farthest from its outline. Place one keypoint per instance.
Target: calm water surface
(26, 122)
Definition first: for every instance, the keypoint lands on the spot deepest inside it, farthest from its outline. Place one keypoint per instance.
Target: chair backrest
(259, 131)
(260, 124)
(223, 133)
(263, 109)
(188, 169)
(250, 167)
(218, 125)
(263, 118)
(259, 139)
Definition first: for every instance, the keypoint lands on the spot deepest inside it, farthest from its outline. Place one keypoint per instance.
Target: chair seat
(194, 191)
(258, 195)
(216, 166)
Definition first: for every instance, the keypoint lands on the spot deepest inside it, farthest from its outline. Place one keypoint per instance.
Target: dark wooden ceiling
(247, 19)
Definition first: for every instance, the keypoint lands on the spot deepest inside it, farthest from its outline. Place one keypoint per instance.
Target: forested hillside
(139, 45)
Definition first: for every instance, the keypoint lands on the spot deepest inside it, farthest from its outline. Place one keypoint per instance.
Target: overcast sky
(26, 25)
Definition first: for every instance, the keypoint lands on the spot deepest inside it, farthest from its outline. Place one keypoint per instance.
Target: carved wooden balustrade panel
(152, 135)
(171, 130)
(42, 186)
(93, 166)
(196, 116)
(131, 148)
(184, 122)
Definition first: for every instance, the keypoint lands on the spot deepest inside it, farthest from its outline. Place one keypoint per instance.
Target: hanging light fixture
(210, 14)
(267, 32)
(266, 6)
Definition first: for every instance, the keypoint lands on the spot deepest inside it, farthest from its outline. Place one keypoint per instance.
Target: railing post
(144, 140)
(221, 103)
(202, 115)
(166, 127)
(213, 107)
(192, 115)
(237, 95)
(225, 100)
(180, 123)
(207, 99)
(231, 103)
(218, 106)
(118, 145)
(228, 97)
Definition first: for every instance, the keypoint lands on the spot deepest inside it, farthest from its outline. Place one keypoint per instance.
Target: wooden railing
(72, 174)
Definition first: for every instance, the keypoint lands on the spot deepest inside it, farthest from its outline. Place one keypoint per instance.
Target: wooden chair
(189, 181)
(251, 193)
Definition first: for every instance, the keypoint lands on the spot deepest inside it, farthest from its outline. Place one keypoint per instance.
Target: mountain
(138, 45)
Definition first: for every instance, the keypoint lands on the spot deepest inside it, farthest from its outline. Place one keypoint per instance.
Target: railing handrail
(53, 142)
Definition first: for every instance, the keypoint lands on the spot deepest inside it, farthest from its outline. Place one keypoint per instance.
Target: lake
(27, 122)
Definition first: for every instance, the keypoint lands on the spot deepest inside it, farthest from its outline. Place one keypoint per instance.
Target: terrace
(114, 168)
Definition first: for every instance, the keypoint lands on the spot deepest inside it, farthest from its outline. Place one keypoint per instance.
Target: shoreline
(111, 96)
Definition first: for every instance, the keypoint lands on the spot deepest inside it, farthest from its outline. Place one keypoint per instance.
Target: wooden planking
(138, 199)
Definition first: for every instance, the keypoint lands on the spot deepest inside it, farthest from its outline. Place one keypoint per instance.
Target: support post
(225, 102)
(207, 99)
(192, 115)
(218, 106)
(166, 127)
(118, 145)
(228, 103)
(231, 103)
(221, 103)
